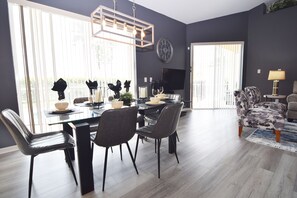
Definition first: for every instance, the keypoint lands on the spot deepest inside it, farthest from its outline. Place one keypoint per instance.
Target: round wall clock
(164, 50)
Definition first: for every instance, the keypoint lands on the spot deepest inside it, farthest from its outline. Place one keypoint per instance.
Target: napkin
(60, 86)
(127, 85)
(92, 85)
(115, 88)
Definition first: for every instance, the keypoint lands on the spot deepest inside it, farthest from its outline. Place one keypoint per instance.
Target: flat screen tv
(173, 79)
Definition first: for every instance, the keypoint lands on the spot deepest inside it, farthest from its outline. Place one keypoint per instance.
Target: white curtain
(60, 46)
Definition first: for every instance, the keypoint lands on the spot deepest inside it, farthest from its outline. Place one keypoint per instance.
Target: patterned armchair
(254, 100)
(263, 118)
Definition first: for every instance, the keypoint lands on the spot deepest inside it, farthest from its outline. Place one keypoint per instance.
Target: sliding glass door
(216, 73)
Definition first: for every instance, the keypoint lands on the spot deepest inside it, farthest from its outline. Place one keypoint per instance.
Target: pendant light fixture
(127, 29)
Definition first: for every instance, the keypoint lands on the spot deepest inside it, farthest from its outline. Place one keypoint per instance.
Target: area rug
(288, 137)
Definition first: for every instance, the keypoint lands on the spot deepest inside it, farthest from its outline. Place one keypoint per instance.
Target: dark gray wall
(8, 97)
(272, 44)
(148, 64)
(228, 28)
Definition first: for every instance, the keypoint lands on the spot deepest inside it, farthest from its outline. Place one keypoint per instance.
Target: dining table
(77, 120)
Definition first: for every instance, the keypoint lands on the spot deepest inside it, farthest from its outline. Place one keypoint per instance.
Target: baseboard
(8, 149)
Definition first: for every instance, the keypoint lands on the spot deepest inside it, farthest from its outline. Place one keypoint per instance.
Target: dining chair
(94, 124)
(116, 127)
(165, 126)
(152, 117)
(35, 144)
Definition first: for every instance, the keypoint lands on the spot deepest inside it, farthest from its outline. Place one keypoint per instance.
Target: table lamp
(276, 76)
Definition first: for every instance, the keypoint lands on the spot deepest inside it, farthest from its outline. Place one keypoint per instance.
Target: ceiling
(190, 11)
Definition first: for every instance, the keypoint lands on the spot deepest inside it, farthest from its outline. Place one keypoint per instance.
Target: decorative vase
(127, 102)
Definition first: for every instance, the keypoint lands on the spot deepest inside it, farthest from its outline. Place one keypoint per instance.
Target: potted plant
(281, 4)
(126, 98)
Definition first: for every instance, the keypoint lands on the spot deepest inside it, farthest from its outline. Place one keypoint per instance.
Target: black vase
(127, 102)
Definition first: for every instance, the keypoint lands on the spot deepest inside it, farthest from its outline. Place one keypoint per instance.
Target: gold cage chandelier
(137, 32)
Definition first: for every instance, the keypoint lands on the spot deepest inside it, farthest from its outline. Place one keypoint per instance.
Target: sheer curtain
(58, 46)
(217, 72)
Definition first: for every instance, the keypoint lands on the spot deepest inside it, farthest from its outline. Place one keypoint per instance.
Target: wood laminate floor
(214, 162)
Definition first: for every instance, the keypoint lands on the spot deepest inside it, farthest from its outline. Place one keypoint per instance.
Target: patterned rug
(288, 138)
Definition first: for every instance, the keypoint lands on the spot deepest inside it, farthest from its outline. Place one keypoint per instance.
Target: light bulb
(142, 34)
(125, 27)
(134, 31)
(114, 24)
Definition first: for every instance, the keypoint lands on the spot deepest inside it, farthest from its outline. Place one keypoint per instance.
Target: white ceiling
(190, 11)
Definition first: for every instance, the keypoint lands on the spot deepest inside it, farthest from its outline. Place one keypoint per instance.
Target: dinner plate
(152, 103)
(62, 111)
(163, 98)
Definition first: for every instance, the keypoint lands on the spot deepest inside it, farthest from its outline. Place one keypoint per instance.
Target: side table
(276, 98)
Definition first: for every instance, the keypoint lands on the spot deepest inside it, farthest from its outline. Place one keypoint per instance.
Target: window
(49, 45)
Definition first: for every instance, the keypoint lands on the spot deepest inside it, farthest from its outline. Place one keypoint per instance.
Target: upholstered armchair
(292, 104)
(254, 100)
(263, 118)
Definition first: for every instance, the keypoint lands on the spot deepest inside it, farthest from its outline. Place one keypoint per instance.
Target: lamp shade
(277, 75)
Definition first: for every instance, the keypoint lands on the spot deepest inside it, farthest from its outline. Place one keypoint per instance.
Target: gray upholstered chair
(164, 127)
(116, 126)
(263, 118)
(80, 100)
(35, 144)
(152, 117)
(292, 104)
(254, 100)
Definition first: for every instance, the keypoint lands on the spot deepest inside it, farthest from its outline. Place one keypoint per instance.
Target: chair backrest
(253, 94)
(116, 126)
(174, 97)
(241, 102)
(295, 87)
(80, 100)
(18, 130)
(167, 121)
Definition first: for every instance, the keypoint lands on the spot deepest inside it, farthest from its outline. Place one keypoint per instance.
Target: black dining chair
(35, 144)
(165, 126)
(116, 127)
(152, 117)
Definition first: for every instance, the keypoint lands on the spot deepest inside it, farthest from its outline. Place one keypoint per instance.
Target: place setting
(154, 101)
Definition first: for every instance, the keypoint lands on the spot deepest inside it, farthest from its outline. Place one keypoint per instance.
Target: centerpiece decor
(127, 96)
(115, 88)
(60, 87)
(92, 87)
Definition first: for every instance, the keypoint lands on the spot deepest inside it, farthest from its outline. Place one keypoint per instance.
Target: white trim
(53, 10)
(8, 149)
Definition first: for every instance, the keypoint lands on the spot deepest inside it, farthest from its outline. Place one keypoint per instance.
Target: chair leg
(277, 135)
(121, 152)
(135, 153)
(177, 136)
(132, 157)
(70, 164)
(156, 145)
(159, 144)
(30, 175)
(111, 149)
(240, 130)
(174, 150)
(104, 171)
(92, 150)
